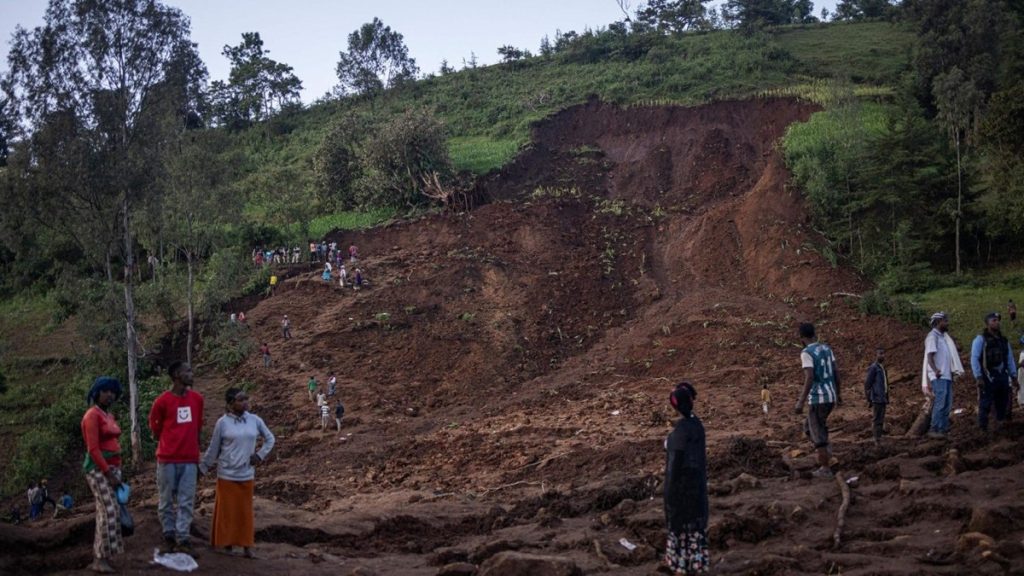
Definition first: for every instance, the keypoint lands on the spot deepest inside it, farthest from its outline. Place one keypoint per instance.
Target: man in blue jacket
(993, 366)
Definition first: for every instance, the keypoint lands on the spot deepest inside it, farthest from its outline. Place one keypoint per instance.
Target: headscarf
(682, 398)
(938, 316)
(102, 384)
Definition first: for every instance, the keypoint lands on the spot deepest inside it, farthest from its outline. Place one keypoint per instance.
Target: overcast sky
(308, 34)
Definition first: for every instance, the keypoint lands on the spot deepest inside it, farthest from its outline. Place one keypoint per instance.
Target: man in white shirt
(942, 363)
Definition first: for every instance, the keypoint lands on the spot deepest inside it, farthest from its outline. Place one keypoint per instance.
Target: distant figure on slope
(325, 416)
(311, 387)
(353, 253)
(241, 317)
(820, 391)
(342, 275)
(994, 368)
(766, 398)
(35, 501)
(332, 384)
(686, 488)
(265, 352)
(876, 391)
(312, 251)
(326, 276)
(941, 365)
(339, 413)
(321, 398)
(286, 328)
(64, 506)
(1011, 311)
(359, 279)
(233, 451)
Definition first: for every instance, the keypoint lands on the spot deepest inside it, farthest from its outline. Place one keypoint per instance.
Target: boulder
(457, 569)
(995, 522)
(972, 540)
(520, 564)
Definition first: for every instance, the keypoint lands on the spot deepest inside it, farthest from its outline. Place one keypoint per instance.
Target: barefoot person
(821, 392)
(102, 466)
(941, 365)
(176, 421)
(686, 488)
(233, 452)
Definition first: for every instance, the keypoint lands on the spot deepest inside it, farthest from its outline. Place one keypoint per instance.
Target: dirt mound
(506, 371)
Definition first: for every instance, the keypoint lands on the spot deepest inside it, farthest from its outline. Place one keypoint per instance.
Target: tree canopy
(258, 86)
(377, 59)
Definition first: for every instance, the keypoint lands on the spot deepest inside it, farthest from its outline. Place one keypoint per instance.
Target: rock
(362, 571)
(488, 549)
(520, 564)
(626, 507)
(992, 521)
(972, 540)
(457, 569)
(909, 486)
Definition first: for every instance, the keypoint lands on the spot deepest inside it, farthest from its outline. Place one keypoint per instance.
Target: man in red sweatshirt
(176, 421)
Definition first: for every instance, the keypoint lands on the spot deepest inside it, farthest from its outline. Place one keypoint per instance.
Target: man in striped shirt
(820, 392)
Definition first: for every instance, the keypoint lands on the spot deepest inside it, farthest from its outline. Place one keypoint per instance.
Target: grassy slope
(967, 304)
(489, 110)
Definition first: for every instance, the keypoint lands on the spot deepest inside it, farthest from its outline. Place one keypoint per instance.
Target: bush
(881, 303)
(229, 346)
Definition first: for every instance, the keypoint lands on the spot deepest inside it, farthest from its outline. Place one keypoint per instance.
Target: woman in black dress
(686, 488)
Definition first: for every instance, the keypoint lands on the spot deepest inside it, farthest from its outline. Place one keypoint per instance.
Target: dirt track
(505, 377)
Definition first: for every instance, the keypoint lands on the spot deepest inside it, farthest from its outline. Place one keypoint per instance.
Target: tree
(102, 65)
(400, 156)
(337, 163)
(756, 13)
(446, 68)
(197, 204)
(258, 86)
(671, 16)
(377, 59)
(957, 100)
(510, 53)
(862, 9)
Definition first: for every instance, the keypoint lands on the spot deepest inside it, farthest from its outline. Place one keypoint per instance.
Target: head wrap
(938, 316)
(101, 384)
(682, 398)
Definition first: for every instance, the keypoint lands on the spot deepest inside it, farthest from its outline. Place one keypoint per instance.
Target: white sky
(308, 34)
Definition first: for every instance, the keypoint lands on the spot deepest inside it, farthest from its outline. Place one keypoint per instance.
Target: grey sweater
(233, 443)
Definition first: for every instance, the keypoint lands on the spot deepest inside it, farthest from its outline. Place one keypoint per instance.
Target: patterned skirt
(687, 552)
(108, 539)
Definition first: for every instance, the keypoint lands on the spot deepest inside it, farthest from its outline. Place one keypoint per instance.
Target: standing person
(296, 254)
(102, 467)
(342, 275)
(233, 452)
(359, 279)
(176, 421)
(325, 415)
(766, 398)
(339, 413)
(1011, 311)
(311, 387)
(286, 327)
(353, 253)
(241, 317)
(876, 390)
(44, 496)
(820, 391)
(993, 365)
(312, 251)
(941, 365)
(35, 500)
(686, 488)
(265, 352)
(332, 385)
(321, 398)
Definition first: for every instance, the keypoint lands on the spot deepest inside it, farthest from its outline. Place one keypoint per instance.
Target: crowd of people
(332, 257)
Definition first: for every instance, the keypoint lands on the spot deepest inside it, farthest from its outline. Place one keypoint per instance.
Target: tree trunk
(191, 314)
(130, 340)
(959, 198)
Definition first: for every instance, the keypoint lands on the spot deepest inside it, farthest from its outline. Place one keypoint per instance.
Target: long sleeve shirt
(876, 386)
(232, 445)
(101, 433)
(176, 422)
(978, 348)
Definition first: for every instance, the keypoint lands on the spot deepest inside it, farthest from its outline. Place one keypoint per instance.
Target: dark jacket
(686, 477)
(875, 386)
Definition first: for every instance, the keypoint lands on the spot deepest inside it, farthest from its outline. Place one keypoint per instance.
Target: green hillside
(488, 110)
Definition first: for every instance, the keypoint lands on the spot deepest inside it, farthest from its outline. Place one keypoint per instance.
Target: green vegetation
(480, 154)
(863, 52)
(968, 303)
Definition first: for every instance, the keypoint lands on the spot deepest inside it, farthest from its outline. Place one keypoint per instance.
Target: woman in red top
(103, 469)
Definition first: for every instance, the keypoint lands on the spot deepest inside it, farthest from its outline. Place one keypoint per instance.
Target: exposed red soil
(505, 376)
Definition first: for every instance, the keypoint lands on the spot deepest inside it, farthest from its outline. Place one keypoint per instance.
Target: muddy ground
(506, 375)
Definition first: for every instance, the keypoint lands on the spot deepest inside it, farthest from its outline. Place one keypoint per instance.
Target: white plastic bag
(175, 561)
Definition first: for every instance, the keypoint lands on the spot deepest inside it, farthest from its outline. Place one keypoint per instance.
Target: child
(766, 398)
(325, 413)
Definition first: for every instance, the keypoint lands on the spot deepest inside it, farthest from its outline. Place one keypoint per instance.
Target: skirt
(687, 552)
(233, 519)
(108, 541)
